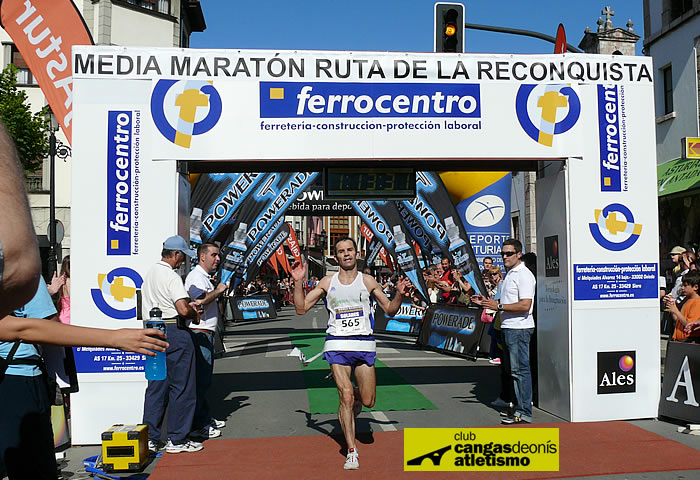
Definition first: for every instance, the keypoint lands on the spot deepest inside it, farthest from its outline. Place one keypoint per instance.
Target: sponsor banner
(416, 230)
(312, 202)
(617, 372)
(269, 250)
(615, 281)
(481, 449)
(282, 259)
(612, 131)
(256, 307)
(433, 203)
(316, 105)
(294, 245)
(44, 31)
(486, 216)
(218, 196)
(407, 320)
(123, 181)
(452, 328)
(107, 360)
(379, 217)
(680, 393)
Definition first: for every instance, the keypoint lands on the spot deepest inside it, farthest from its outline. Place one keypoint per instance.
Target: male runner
(350, 345)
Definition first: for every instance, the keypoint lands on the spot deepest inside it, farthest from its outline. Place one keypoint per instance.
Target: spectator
(690, 311)
(163, 288)
(446, 282)
(199, 287)
(518, 325)
(26, 442)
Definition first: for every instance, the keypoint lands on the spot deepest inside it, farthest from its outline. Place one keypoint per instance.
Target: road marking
(387, 350)
(314, 323)
(416, 359)
(281, 349)
(381, 417)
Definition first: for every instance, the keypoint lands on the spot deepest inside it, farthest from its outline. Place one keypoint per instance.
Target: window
(667, 76)
(679, 7)
(24, 76)
(160, 6)
(515, 226)
(339, 227)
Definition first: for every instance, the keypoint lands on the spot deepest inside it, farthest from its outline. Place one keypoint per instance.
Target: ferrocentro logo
(614, 228)
(547, 110)
(485, 211)
(116, 293)
(182, 109)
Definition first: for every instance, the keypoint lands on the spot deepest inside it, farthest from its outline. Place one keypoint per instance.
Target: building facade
(672, 39)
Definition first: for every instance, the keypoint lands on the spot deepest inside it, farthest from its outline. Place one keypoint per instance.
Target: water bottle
(156, 367)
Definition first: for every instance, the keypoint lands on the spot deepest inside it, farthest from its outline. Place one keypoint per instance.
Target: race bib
(349, 320)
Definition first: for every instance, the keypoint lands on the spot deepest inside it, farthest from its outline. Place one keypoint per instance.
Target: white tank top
(348, 307)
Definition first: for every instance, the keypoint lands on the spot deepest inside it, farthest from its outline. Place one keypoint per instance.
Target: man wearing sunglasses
(517, 324)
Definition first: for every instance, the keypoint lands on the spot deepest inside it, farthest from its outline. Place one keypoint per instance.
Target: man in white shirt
(199, 287)
(163, 288)
(517, 325)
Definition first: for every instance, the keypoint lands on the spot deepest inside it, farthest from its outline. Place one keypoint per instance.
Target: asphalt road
(260, 391)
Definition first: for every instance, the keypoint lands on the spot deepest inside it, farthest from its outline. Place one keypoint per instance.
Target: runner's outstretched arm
(392, 306)
(302, 302)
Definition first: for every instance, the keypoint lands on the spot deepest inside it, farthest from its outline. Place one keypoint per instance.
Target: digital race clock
(369, 184)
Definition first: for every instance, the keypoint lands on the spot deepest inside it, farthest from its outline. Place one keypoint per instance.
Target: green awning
(678, 175)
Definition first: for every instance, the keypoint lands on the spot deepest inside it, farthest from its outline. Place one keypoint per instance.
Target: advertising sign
(680, 393)
(407, 320)
(456, 329)
(256, 307)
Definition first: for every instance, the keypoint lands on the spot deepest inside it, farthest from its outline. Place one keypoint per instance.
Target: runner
(350, 345)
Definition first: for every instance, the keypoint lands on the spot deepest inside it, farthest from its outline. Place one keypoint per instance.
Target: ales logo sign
(551, 256)
(616, 372)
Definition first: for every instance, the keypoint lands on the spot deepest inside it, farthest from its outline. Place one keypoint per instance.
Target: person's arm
(36, 330)
(187, 309)
(20, 266)
(392, 306)
(204, 297)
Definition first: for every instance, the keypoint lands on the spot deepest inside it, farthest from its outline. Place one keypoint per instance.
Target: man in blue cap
(163, 288)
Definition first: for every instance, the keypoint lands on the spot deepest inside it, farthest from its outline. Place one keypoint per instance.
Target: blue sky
(394, 25)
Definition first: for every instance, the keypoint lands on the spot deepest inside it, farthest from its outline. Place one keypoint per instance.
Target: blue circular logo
(547, 110)
(182, 109)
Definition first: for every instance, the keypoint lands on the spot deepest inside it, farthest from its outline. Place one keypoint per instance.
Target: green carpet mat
(393, 393)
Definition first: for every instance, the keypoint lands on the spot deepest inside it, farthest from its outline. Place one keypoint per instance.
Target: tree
(28, 130)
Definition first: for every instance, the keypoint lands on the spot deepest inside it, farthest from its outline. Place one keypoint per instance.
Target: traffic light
(449, 27)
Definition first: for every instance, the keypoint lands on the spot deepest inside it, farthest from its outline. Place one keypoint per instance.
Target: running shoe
(513, 420)
(187, 447)
(217, 423)
(155, 447)
(205, 433)
(495, 361)
(352, 461)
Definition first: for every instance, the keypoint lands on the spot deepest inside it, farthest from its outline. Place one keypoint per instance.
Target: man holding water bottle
(163, 288)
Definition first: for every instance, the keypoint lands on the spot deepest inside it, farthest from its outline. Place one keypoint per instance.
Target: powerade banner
(44, 31)
(379, 216)
(486, 214)
(311, 202)
(269, 250)
(435, 213)
(257, 248)
(407, 320)
(456, 329)
(262, 210)
(416, 230)
(256, 307)
(218, 196)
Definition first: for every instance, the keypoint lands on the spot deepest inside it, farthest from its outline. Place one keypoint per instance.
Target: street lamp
(53, 128)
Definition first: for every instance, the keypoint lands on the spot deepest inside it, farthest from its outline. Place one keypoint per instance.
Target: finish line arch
(142, 114)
